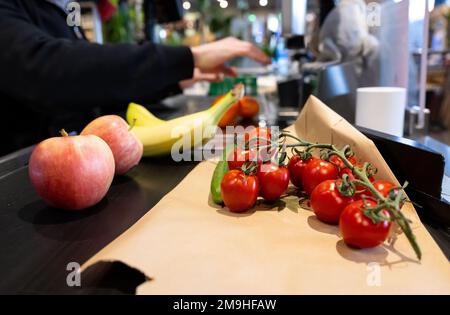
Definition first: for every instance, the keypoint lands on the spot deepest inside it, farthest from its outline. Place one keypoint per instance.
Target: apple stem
(63, 133)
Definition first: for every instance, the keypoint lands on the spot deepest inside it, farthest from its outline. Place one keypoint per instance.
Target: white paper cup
(381, 109)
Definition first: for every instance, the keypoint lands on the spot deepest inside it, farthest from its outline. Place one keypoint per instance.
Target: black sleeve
(50, 73)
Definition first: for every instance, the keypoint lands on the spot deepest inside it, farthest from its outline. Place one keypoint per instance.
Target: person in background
(344, 36)
(51, 77)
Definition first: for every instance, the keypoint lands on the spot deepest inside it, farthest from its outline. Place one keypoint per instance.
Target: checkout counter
(45, 240)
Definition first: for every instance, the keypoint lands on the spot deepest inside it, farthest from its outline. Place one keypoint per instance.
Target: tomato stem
(392, 204)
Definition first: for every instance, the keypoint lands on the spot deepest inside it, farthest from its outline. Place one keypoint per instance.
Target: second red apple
(125, 146)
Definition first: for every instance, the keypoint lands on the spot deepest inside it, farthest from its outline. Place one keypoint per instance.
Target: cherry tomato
(229, 118)
(382, 186)
(296, 166)
(249, 107)
(328, 203)
(348, 172)
(359, 230)
(317, 171)
(239, 191)
(258, 136)
(336, 160)
(296, 180)
(238, 157)
(274, 181)
(351, 176)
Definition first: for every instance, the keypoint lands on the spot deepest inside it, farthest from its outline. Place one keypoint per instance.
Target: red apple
(72, 173)
(125, 146)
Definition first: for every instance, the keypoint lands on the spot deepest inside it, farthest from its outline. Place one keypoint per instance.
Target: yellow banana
(138, 115)
(161, 137)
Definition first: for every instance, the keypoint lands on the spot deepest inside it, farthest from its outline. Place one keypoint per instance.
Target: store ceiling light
(263, 3)
(162, 34)
(223, 4)
(186, 5)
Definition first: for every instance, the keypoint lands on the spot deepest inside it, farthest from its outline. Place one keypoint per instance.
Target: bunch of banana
(160, 137)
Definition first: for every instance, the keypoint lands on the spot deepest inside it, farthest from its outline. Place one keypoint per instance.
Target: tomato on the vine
(358, 230)
(317, 171)
(239, 191)
(349, 173)
(336, 160)
(238, 157)
(382, 186)
(258, 136)
(351, 176)
(274, 181)
(296, 167)
(327, 202)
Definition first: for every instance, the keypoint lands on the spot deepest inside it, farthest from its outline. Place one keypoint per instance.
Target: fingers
(222, 69)
(230, 71)
(249, 50)
(186, 84)
(201, 76)
(210, 77)
(211, 57)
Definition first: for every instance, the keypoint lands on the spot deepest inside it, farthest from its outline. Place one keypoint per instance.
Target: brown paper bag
(188, 245)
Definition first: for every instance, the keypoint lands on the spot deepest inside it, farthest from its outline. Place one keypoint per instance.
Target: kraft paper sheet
(188, 245)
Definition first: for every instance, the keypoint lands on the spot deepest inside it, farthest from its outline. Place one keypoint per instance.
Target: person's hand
(212, 57)
(204, 76)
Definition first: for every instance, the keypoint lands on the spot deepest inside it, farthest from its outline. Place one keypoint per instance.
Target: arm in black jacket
(47, 72)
